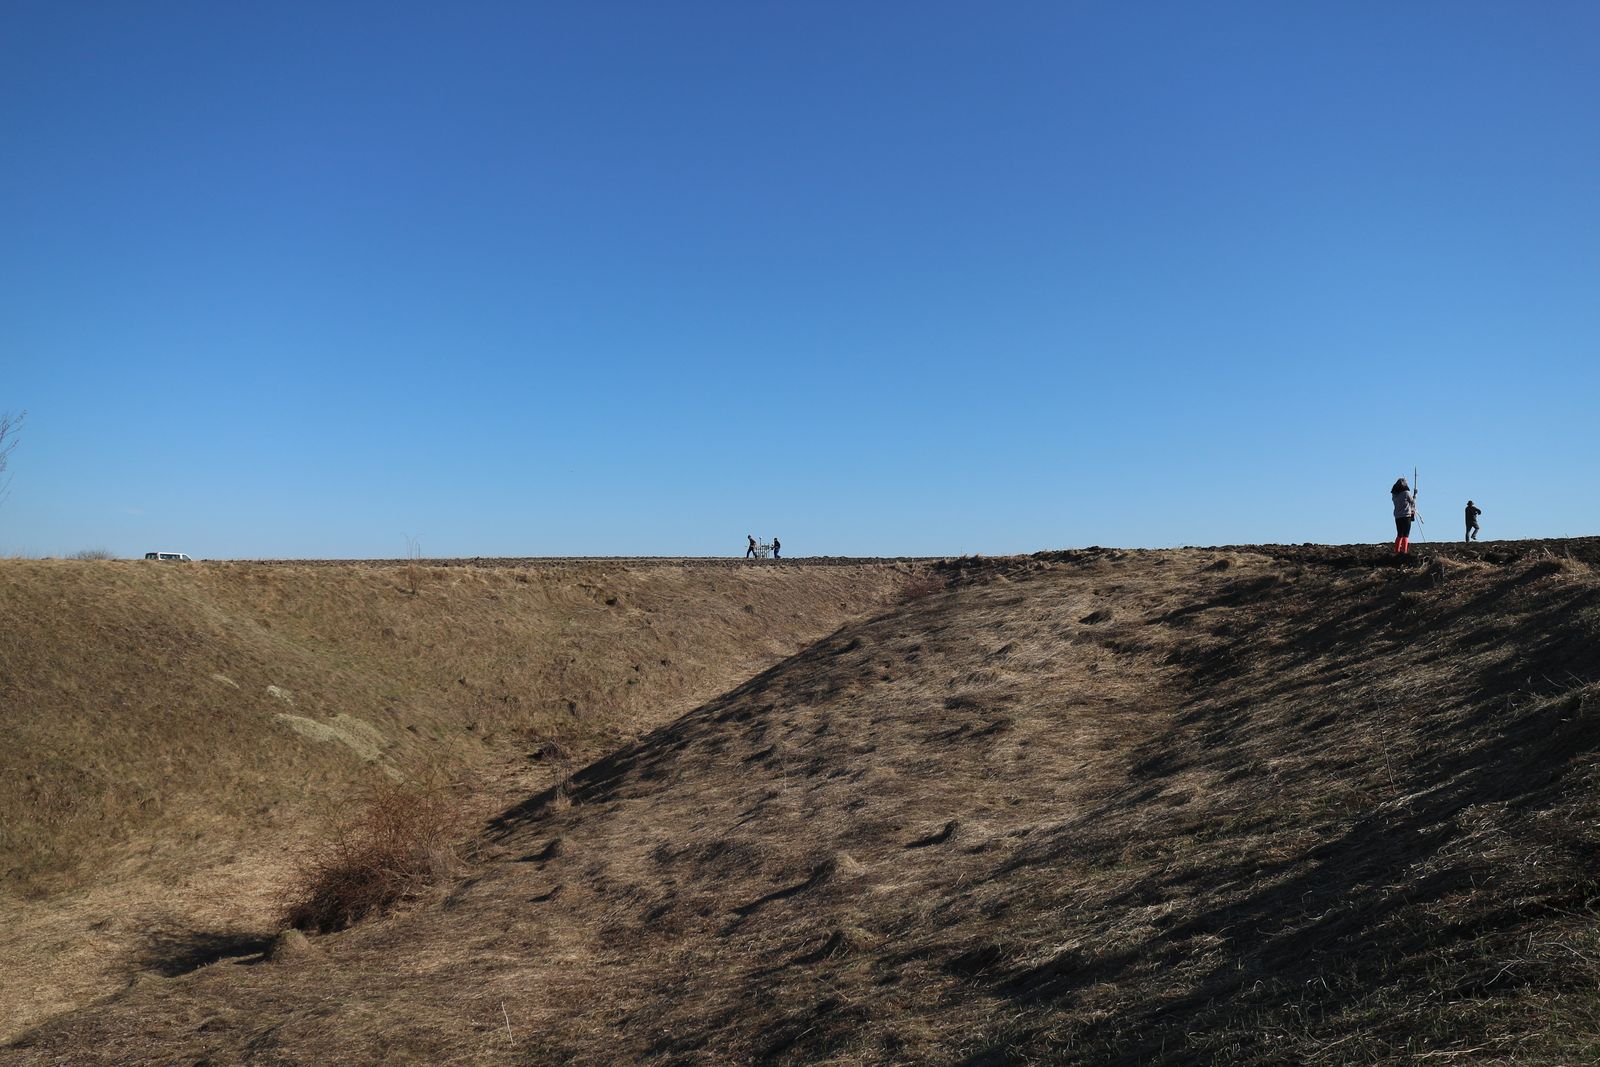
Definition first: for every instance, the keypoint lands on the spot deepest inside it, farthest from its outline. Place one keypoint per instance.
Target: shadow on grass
(171, 953)
(1355, 920)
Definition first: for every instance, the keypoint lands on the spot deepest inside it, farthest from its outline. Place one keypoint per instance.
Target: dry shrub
(549, 750)
(924, 584)
(413, 564)
(401, 841)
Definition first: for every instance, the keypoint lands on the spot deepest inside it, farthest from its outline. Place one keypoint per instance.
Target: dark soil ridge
(1582, 549)
(563, 562)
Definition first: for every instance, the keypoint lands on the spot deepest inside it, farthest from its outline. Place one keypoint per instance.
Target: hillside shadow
(1522, 727)
(171, 953)
(812, 675)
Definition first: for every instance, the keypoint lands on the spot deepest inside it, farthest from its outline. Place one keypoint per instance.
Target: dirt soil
(1246, 805)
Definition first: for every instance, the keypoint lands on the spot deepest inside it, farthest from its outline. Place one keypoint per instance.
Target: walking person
(776, 544)
(750, 553)
(1405, 509)
(1473, 511)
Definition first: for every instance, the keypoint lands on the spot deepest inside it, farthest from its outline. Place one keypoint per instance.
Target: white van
(178, 557)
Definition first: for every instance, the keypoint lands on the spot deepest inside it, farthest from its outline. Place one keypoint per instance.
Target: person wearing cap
(776, 545)
(1405, 509)
(1473, 511)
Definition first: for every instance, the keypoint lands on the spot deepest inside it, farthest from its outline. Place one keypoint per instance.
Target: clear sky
(306, 279)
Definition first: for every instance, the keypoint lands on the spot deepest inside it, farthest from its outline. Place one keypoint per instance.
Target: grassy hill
(1247, 806)
(174, 733)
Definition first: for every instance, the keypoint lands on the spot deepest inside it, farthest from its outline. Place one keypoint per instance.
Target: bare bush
(93, 553)
(8, 441)
(413, 563)
(400, 842)
(924, 584)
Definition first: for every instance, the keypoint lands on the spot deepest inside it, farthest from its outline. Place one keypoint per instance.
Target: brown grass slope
(171, 733)
(1095, 808)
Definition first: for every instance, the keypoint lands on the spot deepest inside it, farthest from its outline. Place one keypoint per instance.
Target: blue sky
(901, 278)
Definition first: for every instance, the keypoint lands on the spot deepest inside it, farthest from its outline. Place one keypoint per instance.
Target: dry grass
(1097, 807)
(171, 733)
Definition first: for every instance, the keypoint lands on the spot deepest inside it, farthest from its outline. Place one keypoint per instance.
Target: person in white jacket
(1405, 509)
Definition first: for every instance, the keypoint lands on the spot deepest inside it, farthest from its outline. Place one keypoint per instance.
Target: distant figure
(776, 544)
(750, 553)
(1405, 509)
(1473, 511)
